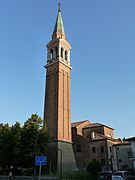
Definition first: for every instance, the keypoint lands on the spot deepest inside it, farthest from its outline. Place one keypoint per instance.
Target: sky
(102, 36)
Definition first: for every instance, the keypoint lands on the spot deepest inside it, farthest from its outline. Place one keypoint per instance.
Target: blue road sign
(40, 160)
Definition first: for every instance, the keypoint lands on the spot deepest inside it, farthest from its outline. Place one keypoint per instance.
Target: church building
(89, 142)
(93, 142)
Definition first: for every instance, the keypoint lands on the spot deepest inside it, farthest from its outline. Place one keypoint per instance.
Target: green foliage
(19, 145)
(80, 175)
(6, 143)
(94, 167)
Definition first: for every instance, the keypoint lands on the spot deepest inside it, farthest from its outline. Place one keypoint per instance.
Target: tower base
(61, 157)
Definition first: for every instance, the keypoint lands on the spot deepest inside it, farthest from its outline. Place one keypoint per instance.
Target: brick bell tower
(57, 100)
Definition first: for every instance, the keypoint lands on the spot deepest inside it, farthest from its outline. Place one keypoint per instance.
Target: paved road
(27, 178)
(131, 178)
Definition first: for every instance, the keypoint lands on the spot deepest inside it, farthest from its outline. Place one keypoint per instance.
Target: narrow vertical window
(62, 52)
(102, 149)
(51, 54)
(66, 55)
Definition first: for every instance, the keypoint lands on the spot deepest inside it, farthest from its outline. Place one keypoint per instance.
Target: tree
(94, 167)
(16, 131)
(19, 145)
(34, 139)
(5, 145)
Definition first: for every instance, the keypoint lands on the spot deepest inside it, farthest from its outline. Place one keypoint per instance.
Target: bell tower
(57, 100)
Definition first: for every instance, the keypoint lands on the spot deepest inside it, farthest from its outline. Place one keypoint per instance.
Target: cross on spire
(59, 5)
(59, 26)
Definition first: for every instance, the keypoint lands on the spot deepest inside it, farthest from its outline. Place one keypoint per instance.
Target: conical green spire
(59, 26)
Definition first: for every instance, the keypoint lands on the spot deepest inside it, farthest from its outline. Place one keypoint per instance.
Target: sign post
(40, 171)
(40, 161)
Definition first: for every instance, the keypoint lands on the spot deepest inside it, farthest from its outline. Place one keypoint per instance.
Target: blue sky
(102, 36)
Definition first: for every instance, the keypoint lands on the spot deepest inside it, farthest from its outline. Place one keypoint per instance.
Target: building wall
(108, 132)
(88, 131)
(133, 154)
(64, 124)
(133, 148)
(81, 126)
(57, 101)
(51, 100)
(103, 130)
(110, 144)
(121, 157)
(81, 151)
(98, 151)
(93, 146)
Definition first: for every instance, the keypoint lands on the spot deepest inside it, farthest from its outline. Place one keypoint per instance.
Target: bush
(79, 176)
(94, 167)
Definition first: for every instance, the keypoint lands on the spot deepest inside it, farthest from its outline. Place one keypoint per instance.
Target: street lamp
(36, 143)
(36, 136)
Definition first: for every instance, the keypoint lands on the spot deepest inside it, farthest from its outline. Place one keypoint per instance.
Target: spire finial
(59, 26)
(59, 5)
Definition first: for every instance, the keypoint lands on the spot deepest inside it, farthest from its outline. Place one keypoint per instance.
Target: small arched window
(66, 55)
(51, 54)
(62, 50)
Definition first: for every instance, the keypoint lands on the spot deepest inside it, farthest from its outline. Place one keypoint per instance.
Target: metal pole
(40, 171)
(36, 133)
(36, 144)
